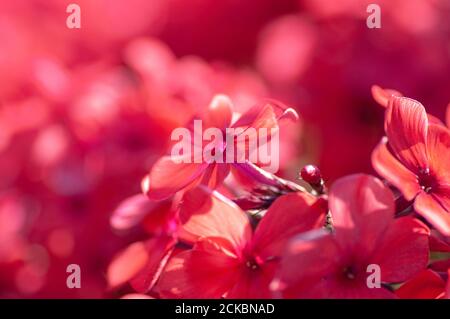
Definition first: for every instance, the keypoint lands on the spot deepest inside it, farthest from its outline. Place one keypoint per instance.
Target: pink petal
(220, 112)
(205, 214)
(395, 172)
(403, 250)
(260, 113)
(406, 125)
(438, 151)
(336, 289)
(215, 174)
(131, 212)
(312, 268)
(254, 284)
(204, 272)
(289, 215)
(136, 296)
(159, 249)
(439, 242)
(429, 206)
(425, 285)
(267, 113)
(362, 207)
(434, 120)
(127, 264)
(162, 219)
(266, 119)
(382, 96)
(440, 265)
(168, 177)
(309, 257)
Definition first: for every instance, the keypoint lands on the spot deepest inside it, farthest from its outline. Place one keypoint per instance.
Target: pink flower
(415, 158)
(425, 285)
(320, 264)
(228, 258)
(168, 177)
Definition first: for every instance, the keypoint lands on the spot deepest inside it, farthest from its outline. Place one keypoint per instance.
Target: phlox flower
(415, 158)
(425, 285)
(168, 176)
(228, 258)
(320, 264)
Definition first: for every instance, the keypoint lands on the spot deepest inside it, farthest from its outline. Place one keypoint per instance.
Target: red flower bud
(311, 174)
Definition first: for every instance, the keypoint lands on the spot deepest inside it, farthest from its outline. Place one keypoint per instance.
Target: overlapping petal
(203, 272)
(406, 125)
(168, 177)
(289, 215)
(385, 163)
(362, 207)
(402, 252)
(210, 214)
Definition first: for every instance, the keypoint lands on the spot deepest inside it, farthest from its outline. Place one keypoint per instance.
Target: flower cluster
(211, 236)
(87, 122)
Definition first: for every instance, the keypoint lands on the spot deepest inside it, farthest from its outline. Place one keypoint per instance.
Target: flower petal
(403, 250)
(131, 212)
(395, 172)
(159, 250)
(168, 177)
(266, 113)
(127, 264)
(406, 125)
(425, 285)
(254, 284)
(220, 112)
(440, 265)
(288, 216)
(205, 214)
(438, 151)
(203, 272)
(362, 207)
(431, 208)
(136, 296)
(439, 243)
(308, 258)
(337, 289)
(382, 96)
(215, 174)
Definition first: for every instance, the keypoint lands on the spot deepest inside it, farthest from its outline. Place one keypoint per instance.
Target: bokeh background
(85, 112)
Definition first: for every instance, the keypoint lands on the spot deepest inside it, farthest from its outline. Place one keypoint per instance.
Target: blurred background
(85, 112)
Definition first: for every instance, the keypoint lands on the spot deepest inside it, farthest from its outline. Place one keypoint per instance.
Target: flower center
(350, 272)
(427, 181)
(253, 263)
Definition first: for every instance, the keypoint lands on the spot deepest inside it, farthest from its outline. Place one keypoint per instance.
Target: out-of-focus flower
(186, 86)
(323, 265)
(286, 49)
(415, 159)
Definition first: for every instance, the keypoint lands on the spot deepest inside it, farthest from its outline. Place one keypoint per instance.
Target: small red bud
(311, 174)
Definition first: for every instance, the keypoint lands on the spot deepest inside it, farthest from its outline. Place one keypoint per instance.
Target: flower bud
(311, 174)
